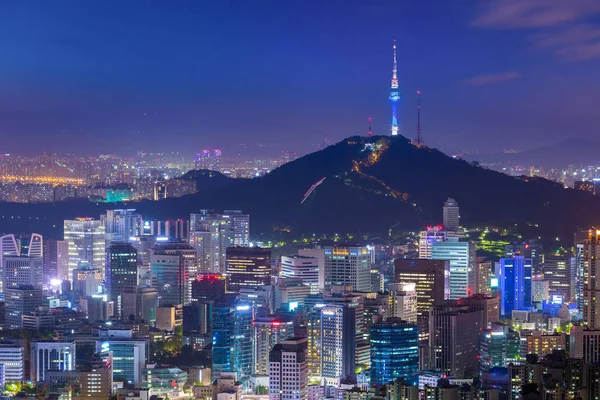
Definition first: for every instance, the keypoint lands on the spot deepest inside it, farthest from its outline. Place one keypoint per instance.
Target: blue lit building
(394, 352)
(129, 358)
(222, 327)
(514, 279)
(233, 339)
(243, 341)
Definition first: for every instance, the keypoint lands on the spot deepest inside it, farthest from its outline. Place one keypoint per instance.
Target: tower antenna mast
(394, 95)
(419, 142)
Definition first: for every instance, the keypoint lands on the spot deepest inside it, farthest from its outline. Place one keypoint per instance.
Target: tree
(262, 390)
(12, 387)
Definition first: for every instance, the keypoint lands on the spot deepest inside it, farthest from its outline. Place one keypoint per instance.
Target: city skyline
(214, 75)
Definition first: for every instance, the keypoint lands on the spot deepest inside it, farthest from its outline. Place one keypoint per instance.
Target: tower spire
(419, 142)
(394, 94)
(370, 131)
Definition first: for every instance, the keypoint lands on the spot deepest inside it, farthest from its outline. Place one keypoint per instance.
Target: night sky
(119, 76)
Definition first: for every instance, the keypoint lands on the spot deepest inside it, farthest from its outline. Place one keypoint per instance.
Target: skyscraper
(348, 266)
(463, 265)
(121, 271)
(558, 272)
(86, 244)
(269, 331)
(529, 249)
(428, 237)
(454, 339)
(211, 234)
(288, 370)
(514, 278)
(21, 301)
(590, 262)
(498, 346)
(174, 268)
(247, 267)
(122, 225)
(451, 215)
(338, 342)
(222, 340)
(394, 352)
(394, 95)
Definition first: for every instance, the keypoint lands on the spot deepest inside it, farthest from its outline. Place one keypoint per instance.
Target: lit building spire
(394, 95)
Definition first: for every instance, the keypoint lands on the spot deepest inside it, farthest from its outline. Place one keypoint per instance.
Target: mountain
(361, 186)
(573, 151)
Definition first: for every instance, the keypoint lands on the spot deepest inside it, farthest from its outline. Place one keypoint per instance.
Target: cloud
(557, 25)
(487, 79)
(512, 14)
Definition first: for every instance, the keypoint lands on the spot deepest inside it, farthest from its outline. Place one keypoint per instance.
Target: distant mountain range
(573, 151)
(361, 185)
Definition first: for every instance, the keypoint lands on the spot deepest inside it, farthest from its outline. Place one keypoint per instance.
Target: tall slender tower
(394, 95)
(419, 141)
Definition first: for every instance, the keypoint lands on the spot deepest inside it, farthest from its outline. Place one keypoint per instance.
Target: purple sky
(114, 76)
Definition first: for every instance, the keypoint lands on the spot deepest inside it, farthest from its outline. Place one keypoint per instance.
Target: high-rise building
(394, 352)
(211, 234)
(290, 293)
(86, 244)
(338, 342)
(489, 306)
(174, 267)
(303, 267)
(86, 281)
(558, 273)
(21, 301)
(288, 370)
(463, 265)
(23, 270)
(121, 271)
(222, 341)
(430, 236)
(248, 267)
(514, 278)
(268, 331)
(62, 259)
(540, 344)
(122, 225)
(313, 331)
(243, 341)
(208, 287)
(208, 160)
(50, 356)
(139, 304)
(484, 274)
(451, 215)
(348, 266)
(129, 358)
(50, 263)
(532, 249)
(430, 278)
(354, 301)
(12, 357)
(498, 346)
(233, 338)
(454, 339)
(319, 254)
(403, 301)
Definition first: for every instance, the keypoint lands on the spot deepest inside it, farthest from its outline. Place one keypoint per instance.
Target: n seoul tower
(394, 95)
